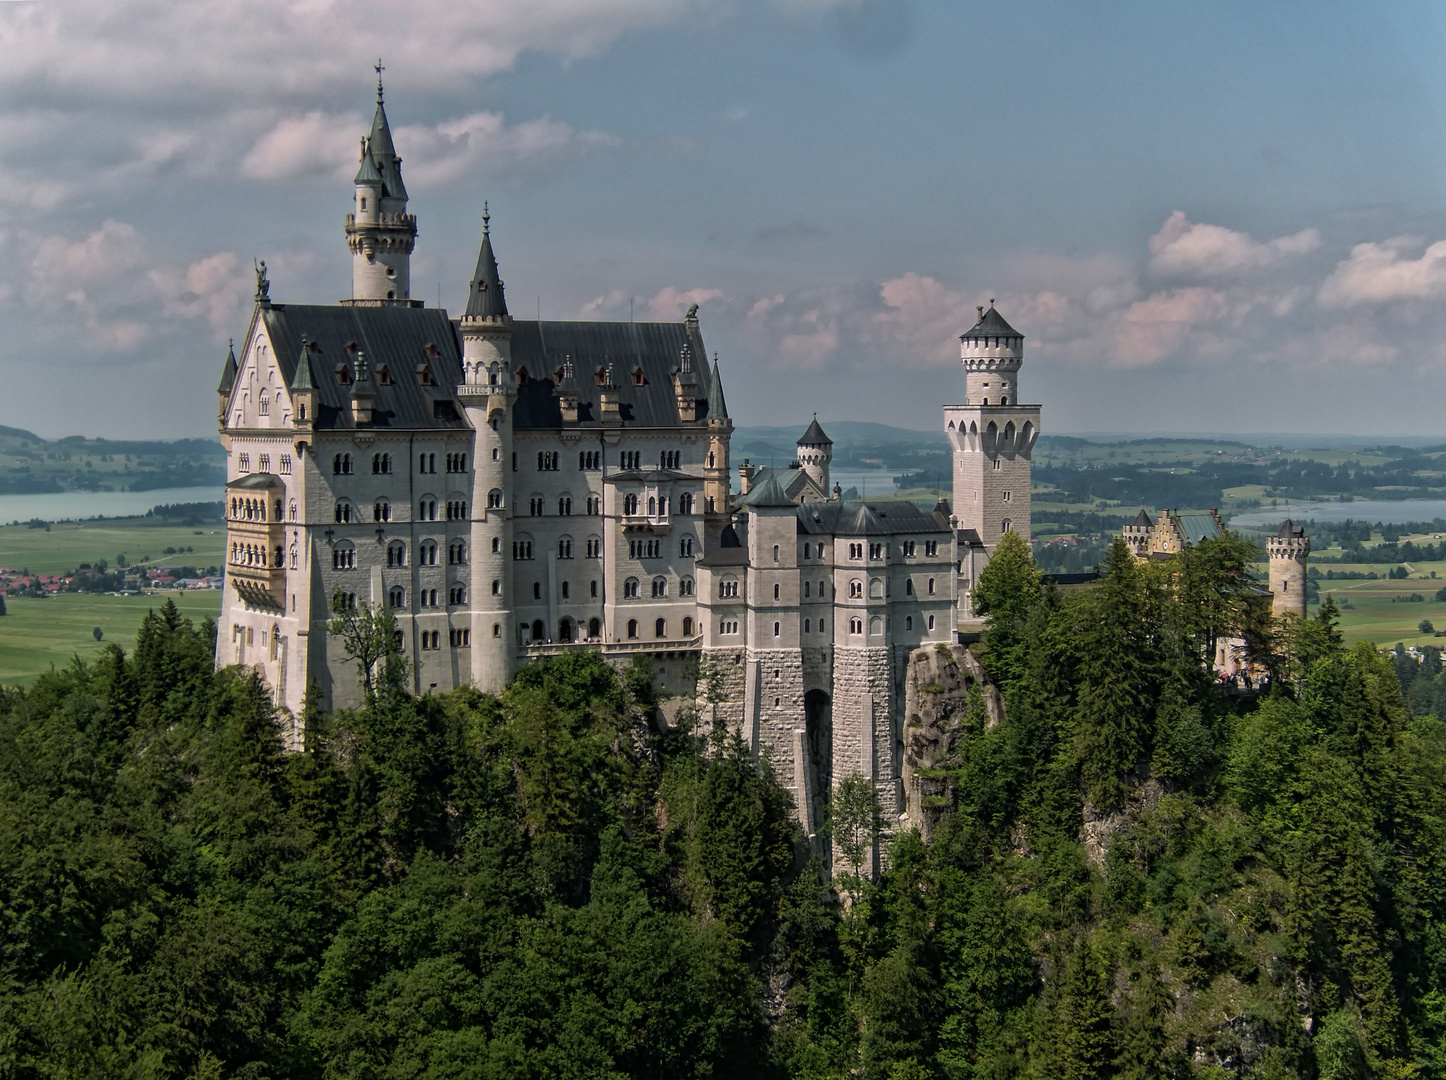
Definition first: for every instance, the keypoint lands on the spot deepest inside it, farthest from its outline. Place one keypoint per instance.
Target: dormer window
(424, 375)
(600, 376)
(522, 377)
(639, 379)
(384, 377)
(343, 374)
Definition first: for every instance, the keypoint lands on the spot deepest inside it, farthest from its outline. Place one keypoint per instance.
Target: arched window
(496, 587)
(807, 625)
(496, 545)
(806, 588)
(685, 588)
(632, 628)
(1006, 525)
(778, 592)
(660, 586)
(564, 547)
(381, 510)
(931, 622)
(343, 513)
(630, 588)
(930, 586)
(457, 594)
(630, 505)
(397, 597)
(343, 557)
(727, 588)
(494, 499)
(427, 554)
(687, 627)
(775, 552)
(396, 555)
(856, 589)
(537, 631)
(777, 630)
(594, 628)
(564, 506)
(264, 404)
(856, 626)
(876, 626)
(685, 503)
(908, 622)
(660, 628)
(456, 553)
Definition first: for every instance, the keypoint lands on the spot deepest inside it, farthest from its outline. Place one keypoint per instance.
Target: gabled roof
(484, 292)
(228, 371)
(814, 436)
(991, 324)
(1197, 527)
(768, 491)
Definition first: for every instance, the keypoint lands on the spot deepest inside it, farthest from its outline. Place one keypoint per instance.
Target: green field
(65, 545)
(1373, 616)
(38, 633)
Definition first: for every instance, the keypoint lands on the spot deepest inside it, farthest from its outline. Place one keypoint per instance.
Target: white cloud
(1378, 273)
(314, 144)
(480, 144)
(1185, 249)
(1149, 330)
(215, 288)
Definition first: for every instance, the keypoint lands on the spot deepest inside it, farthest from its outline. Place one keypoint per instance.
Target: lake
(1372, 510)
(79, 505)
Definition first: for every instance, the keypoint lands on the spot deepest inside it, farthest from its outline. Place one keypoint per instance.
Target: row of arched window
(243, 509)
(659, 586)
(660, 628)
(259, 555)
(426, 598)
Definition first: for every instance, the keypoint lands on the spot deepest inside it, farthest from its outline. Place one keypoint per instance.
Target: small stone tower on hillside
(1137, 534)
(815, 451)
(1288, 551)
(992, 434)
(379, 231)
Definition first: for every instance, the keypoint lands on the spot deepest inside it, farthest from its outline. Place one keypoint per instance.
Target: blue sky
(1204, 217)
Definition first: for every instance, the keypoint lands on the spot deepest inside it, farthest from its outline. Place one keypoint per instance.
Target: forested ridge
(1133, 875)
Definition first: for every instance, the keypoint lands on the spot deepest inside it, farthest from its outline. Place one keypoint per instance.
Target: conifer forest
(1133, 871)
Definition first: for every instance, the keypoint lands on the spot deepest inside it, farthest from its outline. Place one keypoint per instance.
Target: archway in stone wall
(818, 748)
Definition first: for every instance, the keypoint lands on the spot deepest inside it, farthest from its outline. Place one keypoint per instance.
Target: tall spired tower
(379, 231)
(992, 434)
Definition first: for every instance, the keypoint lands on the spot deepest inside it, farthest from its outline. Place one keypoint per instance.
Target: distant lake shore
(83, 505)
(1388, 512)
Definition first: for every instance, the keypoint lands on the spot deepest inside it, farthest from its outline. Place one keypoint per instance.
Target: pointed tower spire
(379, 231)
(228, 369)
(485, 299)
(717, 407)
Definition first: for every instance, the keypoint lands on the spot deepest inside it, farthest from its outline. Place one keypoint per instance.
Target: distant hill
(31, 465)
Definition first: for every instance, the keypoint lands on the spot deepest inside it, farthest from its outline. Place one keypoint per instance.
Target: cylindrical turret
(488, 393)
(992, 352)
(1288, 551)
(379, 232)
(815, 452)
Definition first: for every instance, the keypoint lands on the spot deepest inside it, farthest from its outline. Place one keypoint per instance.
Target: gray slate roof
(228, 371)
(391, 337)
(541, 349)
(1142, 518)
(814, 436)
(485, 298)
(870, 519)
(396, 337)
(717, 407)
(991, 324)
(1290, 530)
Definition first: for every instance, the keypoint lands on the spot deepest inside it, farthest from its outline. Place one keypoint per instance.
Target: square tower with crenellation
(992, 434)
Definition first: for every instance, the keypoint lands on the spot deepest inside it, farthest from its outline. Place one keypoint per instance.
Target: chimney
(608, 401)
(745, 477)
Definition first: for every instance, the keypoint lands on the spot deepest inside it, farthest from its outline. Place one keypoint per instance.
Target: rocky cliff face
(946, 692)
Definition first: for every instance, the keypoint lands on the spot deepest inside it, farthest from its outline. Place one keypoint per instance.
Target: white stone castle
(513, 489)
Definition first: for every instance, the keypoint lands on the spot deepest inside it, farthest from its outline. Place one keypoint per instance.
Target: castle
(1287, 551)
(512, 489)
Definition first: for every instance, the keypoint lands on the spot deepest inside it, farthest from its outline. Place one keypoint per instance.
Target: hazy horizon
(1170, 201)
